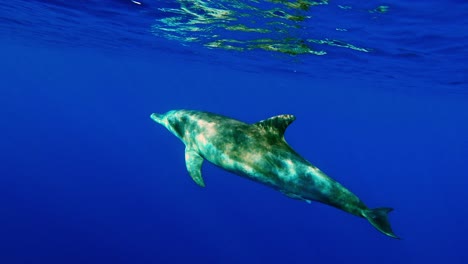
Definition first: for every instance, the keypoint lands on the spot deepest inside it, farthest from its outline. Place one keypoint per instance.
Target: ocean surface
(379, 89)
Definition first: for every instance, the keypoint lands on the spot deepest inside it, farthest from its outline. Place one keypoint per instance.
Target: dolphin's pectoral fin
(276, 124)
(194, 161)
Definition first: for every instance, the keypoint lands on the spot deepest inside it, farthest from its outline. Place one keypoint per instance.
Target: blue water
(379, 90)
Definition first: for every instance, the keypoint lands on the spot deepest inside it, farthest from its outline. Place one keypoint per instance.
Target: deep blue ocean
(379, 89)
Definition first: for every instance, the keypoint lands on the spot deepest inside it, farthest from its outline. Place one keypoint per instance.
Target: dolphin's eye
(183, 119)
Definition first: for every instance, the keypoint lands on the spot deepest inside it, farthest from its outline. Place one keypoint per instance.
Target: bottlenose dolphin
(259, 152)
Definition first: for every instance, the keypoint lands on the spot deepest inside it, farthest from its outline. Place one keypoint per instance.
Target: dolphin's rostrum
(260, 153)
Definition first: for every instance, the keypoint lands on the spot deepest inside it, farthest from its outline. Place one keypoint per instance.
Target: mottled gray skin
(260, 153)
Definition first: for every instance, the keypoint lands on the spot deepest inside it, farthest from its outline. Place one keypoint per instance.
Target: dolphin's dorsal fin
(276, 124)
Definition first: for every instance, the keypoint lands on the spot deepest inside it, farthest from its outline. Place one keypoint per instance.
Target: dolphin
(260, 153)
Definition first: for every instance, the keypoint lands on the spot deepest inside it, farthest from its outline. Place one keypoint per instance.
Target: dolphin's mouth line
(156, 117)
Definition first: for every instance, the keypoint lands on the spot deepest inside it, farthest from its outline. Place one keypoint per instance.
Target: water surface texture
(379, 89)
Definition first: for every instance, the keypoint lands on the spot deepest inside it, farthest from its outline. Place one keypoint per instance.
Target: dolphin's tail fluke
(378, 217)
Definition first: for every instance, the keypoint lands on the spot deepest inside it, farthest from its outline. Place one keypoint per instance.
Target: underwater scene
(233, 131)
